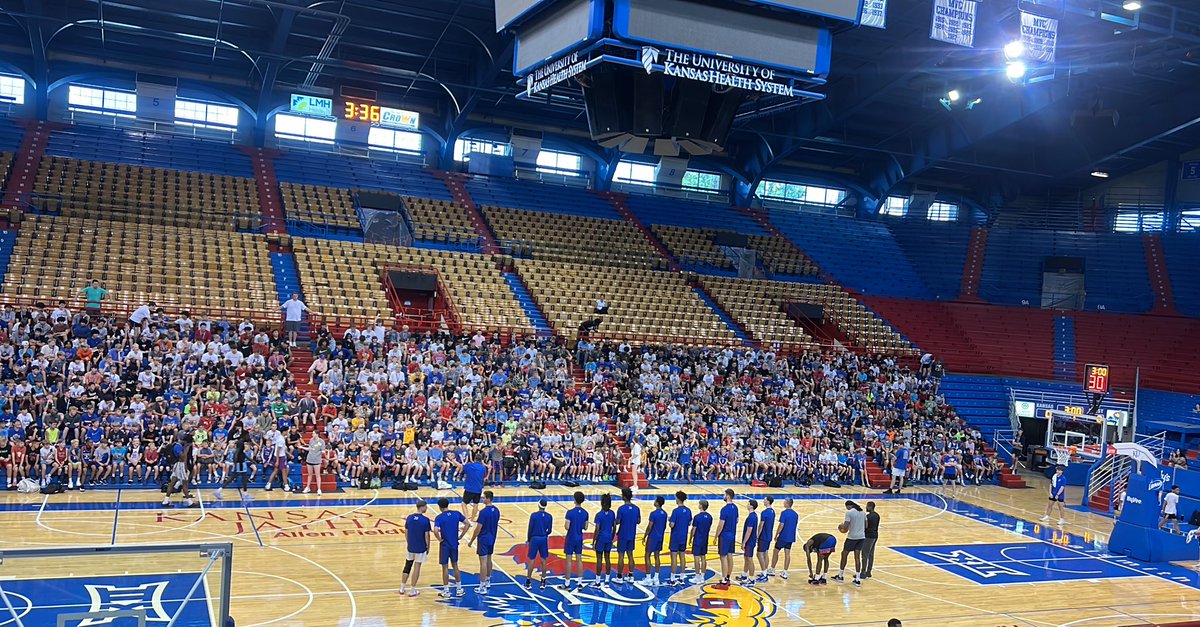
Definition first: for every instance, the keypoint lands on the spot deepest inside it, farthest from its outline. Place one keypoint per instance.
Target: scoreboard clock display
(363, 112)
(1096, 379)
(371, 113)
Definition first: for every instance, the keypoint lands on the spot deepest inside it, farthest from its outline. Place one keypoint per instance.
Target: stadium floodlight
(1100, 174)
(953, 95)
(1131, 5)
(1015, 70)
(1014, 49)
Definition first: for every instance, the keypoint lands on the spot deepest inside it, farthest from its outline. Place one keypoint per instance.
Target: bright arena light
(1014, 49)
(1131, 5)
(1015, 70)
(953, 95)
(1100, 174)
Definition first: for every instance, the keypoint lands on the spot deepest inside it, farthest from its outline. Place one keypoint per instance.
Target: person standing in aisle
(872, 533)
(541, 525)
(727, 535)
(416, 530)
(293, 313)
(486, 527)
(681, 522)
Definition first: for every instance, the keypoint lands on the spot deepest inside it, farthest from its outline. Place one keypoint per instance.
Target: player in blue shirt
(602, 541)
(681, 521)
(785, 537)
(899, 468)
(417, 529)
(449, 524)
(749, 545)
(727, 535)
(701, 524)
(766, 527)
(628, 518)
(653, 539)
(541, 525)
(474, 473)
(486, 527)
(577, 521)
(1058, 494)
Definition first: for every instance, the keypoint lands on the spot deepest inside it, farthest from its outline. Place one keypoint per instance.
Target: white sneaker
(1045, 519)
(770, 572)
(217, 494)
(783, 575)
(306, 490)
(697, 581)
(401, 588)
(318, 493)
(1062, 521)
(166, 501)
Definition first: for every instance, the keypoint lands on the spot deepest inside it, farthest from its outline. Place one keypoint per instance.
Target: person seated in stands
(601, 306)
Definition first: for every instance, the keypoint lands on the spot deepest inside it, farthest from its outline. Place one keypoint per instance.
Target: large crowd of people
(88, 399)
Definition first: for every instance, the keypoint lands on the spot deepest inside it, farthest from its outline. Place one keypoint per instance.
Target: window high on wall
(1138, 220)
(101, 100)
(1189, 221)
(896, 206)
(464, 147)
(564, 163)
(702, 181)
(397, 141)
(797, 193)
(209, 114)
(12, 87)
(305, 129)
(942, 212)
(634, 173)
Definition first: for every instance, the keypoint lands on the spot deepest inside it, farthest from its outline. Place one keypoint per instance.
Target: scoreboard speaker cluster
(628, 109)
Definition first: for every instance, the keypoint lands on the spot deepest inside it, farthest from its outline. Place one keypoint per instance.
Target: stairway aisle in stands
(734, 325)
(1160, 278)
(8, 239)
(618, 202)
(1064, 349)
(268, 188)
(532, 311)
(458, 191)
(28, 158)
(972, 270)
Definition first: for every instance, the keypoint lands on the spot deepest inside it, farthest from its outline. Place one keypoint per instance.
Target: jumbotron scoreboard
(669, 76)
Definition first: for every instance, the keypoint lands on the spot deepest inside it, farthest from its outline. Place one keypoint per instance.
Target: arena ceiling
(881, 125)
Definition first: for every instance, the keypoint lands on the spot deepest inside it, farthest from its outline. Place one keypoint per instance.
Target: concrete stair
(456, 184)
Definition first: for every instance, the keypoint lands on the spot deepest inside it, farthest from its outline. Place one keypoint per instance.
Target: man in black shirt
(872, 533)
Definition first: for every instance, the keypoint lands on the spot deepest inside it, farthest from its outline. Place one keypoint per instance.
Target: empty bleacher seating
(760, 308)
(150, 150)
(319, 205)
(643, 304)
(533, 196)
(10, 135)
(1182, 252)
(329, 169)
(564, 237)
(696, 250)
(1115, 277)
(342, 279)
(668, 211)
(1163, 347)
(179, 268)
(937, 251)
(442, 221)
(860, 254)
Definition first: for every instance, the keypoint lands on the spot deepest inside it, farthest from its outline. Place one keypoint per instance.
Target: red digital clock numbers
(362, 112)
(1096, 379)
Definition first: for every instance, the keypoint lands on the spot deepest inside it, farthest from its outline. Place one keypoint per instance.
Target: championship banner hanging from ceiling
(1040, 37)
(874, 13)
(953, 22)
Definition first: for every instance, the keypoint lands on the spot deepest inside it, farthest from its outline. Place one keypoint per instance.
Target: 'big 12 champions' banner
(1040, 36)
(874, 13)
(953, 22)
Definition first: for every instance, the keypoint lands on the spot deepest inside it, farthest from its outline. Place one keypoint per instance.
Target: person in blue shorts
(701, 524)
(602, 541)
(541, 524)
(577, 522)
(417, 530)
(628, 518)
(727, 535)
(899, 468)
(823, 545)
(656, 528)
(449, 525)
(1058, 494)
(785, 537)
(681, 522)
(766, 526)
(486, 527)
(749, 544)
(475, 474)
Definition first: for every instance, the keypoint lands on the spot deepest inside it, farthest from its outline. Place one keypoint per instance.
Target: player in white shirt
(293, 309)
(1170, 509)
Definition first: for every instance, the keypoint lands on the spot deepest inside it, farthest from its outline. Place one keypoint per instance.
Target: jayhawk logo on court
(632, 605)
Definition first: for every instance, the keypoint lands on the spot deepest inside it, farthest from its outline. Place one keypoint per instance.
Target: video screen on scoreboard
(840, 9)
(508, 11)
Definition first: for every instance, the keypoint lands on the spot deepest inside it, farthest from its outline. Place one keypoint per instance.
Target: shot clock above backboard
(1095, 379)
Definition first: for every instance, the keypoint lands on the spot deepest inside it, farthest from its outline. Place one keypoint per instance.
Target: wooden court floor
(951, 557)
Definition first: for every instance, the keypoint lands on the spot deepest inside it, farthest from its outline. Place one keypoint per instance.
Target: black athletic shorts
(471, 498)
(852, 545)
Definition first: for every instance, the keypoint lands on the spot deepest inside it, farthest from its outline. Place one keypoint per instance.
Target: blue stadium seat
(532, 196)
(1115, 276)
(10, 135)
(937, 251)
(1182, 253)
(169, 152)
(860, 254)
(691, 214)
(349, 172)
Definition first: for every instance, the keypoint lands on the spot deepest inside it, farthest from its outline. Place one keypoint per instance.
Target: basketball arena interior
(400, 313)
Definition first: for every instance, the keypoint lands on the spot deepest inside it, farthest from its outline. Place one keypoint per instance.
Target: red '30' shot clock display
(1096, 379)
